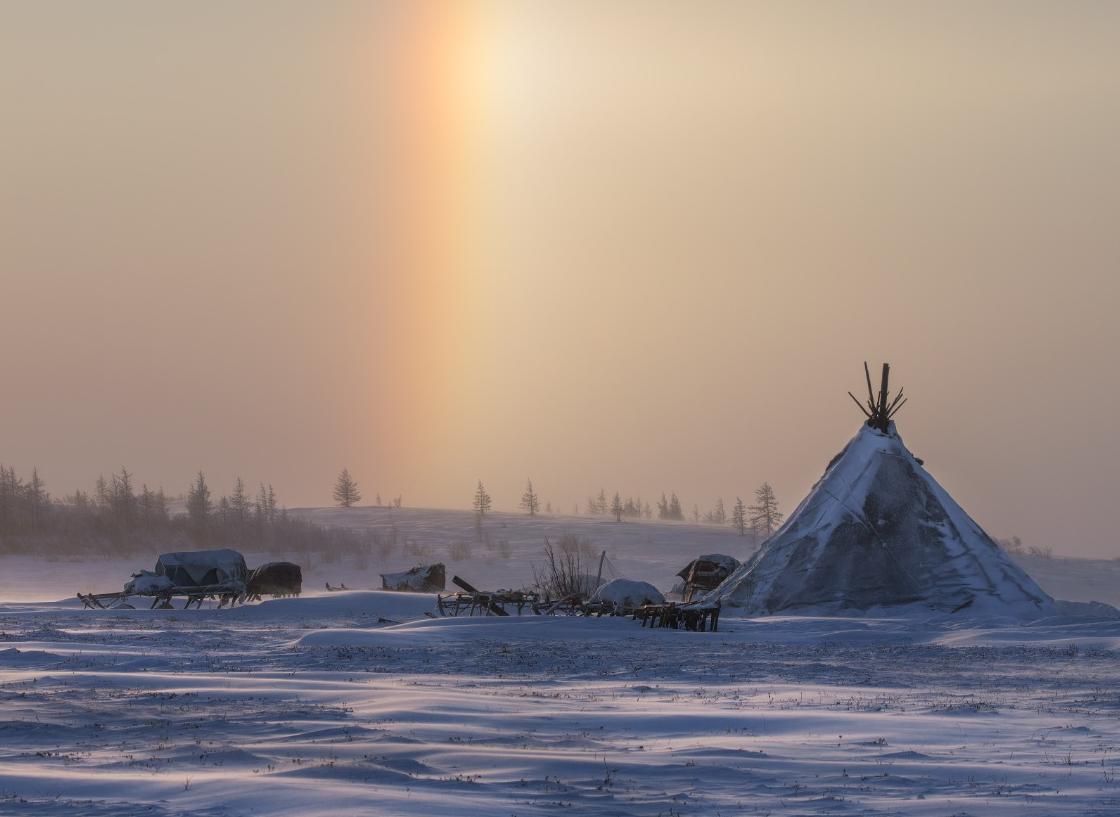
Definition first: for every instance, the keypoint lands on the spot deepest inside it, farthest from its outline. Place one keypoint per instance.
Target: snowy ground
(317, 706)
(324, 705)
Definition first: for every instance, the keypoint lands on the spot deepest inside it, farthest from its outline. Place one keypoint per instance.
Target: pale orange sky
(638, 246)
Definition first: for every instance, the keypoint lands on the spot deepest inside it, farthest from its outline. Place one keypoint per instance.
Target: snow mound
(877, 531)
(628, 593)
(431, 631)
(148, 583)
(327, 609)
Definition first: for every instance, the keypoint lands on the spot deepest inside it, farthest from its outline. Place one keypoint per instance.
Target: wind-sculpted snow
(877, 530)
(324, 706)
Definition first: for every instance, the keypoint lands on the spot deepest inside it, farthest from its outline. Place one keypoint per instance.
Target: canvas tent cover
(201, 568)
(710, 564)
(424, 578)
(878, 530)
(703, 574)
(276, 579)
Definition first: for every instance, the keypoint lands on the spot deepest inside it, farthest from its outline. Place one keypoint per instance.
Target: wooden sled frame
(227, 595)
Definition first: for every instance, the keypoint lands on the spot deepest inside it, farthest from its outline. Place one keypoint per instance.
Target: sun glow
(445, 68)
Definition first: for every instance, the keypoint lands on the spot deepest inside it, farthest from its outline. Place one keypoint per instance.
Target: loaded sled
(197, 575)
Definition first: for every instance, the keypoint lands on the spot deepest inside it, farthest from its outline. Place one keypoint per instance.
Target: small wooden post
(883, 392)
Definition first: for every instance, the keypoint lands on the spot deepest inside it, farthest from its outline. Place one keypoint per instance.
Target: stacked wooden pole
(880, 409)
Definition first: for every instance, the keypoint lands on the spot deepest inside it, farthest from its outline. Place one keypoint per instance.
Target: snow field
(315, 706)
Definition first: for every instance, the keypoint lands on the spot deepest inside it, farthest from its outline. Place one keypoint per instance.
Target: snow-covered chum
(877, 530)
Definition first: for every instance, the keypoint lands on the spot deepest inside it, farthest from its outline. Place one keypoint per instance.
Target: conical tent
(877, 530)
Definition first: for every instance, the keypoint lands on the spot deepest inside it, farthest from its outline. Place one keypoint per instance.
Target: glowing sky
(641, 246)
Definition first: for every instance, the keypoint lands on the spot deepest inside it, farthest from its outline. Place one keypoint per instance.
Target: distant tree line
(761, 519)
(1015, 546)
(120, 518)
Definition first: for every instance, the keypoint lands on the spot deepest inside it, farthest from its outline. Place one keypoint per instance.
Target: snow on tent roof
(878, 530)
(199, 568)
(718, 560)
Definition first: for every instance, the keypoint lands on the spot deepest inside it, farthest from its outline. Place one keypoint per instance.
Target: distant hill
(503, 552)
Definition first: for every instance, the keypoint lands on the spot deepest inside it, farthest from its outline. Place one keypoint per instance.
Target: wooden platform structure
(696, 617)
(475, 602)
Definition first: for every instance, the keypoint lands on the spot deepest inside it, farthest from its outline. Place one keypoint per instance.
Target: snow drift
(877, 530)
(628, 593)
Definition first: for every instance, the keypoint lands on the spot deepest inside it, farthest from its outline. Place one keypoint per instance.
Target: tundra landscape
(519, 408)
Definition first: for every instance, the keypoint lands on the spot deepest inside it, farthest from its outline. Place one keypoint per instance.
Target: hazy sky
(634, 245)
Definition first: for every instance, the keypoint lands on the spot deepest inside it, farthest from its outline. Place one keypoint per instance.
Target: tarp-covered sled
(204, 568)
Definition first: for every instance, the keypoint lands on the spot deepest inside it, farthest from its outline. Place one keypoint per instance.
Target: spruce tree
(675, 511)
(153, 507)
(38, 501)
(101, 492)
(346, 493)
(199, 506)
(529, 500)
(482, 501)
(239, 502)
(765, 516)
(265, 505)
(122, 500)
(739, 516)
(616, 507)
